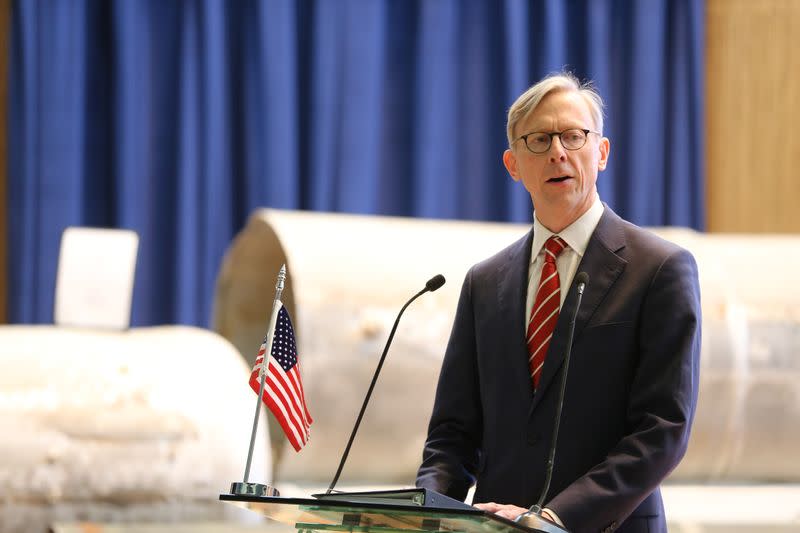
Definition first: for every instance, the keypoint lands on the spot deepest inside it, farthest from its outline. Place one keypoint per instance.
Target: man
(632, 381)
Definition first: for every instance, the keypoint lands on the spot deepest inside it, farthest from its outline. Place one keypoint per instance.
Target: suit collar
(512, 288)
(603, 265)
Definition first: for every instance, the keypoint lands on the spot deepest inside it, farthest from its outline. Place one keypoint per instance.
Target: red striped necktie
(544, 313)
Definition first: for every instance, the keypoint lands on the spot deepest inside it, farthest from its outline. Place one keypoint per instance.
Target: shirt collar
(576, 235)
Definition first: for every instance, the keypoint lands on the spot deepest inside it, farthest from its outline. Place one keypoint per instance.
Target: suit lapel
(604, 266)
(512, 287)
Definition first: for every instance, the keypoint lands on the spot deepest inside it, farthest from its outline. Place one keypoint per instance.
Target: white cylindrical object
(349, 275)
(150, 424)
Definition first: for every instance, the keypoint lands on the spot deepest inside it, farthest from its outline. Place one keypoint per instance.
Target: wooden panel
(753, 115)
(5, 49)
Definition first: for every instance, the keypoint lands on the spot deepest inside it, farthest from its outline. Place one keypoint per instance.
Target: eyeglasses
(539, 142)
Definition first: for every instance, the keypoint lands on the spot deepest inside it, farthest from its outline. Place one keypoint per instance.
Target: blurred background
(178, 120)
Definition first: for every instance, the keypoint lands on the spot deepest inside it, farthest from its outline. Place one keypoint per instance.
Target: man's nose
(557, 152)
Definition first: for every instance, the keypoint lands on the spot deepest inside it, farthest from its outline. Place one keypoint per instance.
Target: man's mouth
(558, 179)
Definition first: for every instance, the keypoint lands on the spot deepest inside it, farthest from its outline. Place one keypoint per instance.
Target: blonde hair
(560, 81)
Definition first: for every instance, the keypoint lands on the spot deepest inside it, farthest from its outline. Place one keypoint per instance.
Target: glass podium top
(307, 514)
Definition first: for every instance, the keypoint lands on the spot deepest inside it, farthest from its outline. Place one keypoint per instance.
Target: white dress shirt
(577, 236)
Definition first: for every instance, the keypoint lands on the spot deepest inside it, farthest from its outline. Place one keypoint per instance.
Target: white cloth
(577, 237)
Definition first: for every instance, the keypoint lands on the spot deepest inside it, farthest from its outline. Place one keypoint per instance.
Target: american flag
(284, 391)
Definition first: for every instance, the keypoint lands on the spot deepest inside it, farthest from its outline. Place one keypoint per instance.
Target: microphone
(533, 518)
(432, 284)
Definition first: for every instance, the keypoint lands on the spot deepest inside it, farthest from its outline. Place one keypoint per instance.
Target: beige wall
(753, 115)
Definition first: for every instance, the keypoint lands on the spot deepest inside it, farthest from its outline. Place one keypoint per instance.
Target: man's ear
(510, 161)
(605, 150)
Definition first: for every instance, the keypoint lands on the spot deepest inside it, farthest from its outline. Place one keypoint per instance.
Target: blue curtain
(177, 119)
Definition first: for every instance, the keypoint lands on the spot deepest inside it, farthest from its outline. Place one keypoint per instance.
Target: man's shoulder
(519, 250)
(643, 242)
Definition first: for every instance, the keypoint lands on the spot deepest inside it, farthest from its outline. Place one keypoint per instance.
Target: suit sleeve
(452, 450)
(660, 409)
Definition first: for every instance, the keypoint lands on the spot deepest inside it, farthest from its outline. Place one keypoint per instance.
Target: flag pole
(259, 489)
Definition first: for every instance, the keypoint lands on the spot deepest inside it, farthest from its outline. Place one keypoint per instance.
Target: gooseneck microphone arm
(432, 284)
(580, 281)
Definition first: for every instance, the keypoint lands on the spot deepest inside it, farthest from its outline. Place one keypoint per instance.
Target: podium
(323, 515)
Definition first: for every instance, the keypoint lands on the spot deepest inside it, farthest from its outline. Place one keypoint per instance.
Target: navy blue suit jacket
(630, 395)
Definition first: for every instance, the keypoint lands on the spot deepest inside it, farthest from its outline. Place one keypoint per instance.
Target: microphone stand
(432, 284)
(533, 517)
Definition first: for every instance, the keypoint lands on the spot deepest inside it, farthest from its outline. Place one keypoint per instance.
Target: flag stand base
(253, 489)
